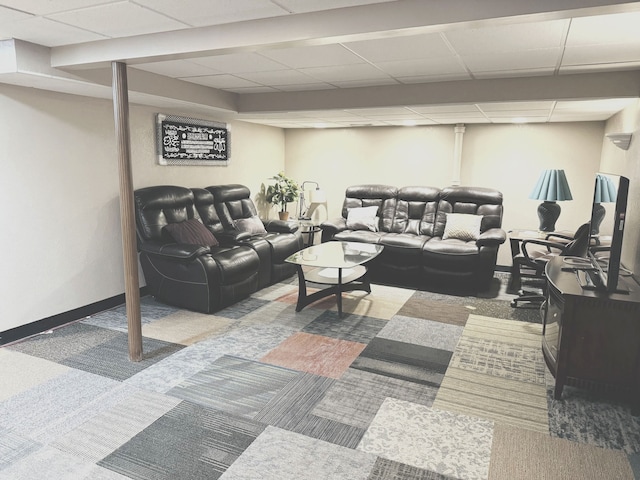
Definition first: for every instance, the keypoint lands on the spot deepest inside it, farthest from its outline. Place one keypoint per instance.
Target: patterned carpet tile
(190, 441)
(281, 314)
(507, 331)
(242, 308)
(500, 359)
(422, 332)
(116, 318)
(404, 361)
(111, 358)
(103, 433)
(281, 455)
(234, 385)
(523, 454)
(14, 447)
(328, 357)
(389, 470)
(442, 442)
(20, 372)
(502, 400)
(419, 307)
(186, 328)
(356, 397)
(350, 327)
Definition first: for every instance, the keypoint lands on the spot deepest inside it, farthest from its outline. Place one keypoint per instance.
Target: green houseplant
(282, 192)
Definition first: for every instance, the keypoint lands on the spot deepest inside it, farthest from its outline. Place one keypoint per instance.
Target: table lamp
(605, 192)
(552, 187)
(316, 197)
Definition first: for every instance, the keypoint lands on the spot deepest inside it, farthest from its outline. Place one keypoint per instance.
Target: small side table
(309, 228)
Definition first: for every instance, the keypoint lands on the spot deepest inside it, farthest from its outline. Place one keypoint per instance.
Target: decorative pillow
(363, 218)
(193, 232)
(252, 225)
(462, 226)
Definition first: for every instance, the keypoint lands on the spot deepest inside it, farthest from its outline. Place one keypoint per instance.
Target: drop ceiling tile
(465, 115)
(602, 105)
(603, 54)
(616, 28)
(345, 73)
(177, 69)
(445, 109)
(313, 56)
(515, 106)
(531, 59)
(306, 87)
(579, 117)
(119, 19)
(8, 16)
(279, 78)
(371, 112)
(40, 7)
(453, 120)
(434, 78)
(511, 73)
(599, 67)
(423, 67)
(520, 119)
(508, 38)
(401, 48)
(239, 63)
(379, 82)
(300, 6)
(258, 89)
(199, 13)
(48, 33)
(221, 81)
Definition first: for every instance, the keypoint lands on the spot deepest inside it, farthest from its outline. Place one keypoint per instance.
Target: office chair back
(580, 243)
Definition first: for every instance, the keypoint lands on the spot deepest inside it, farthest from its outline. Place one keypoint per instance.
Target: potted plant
(282, 192)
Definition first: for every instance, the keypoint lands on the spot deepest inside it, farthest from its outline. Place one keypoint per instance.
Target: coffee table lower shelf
(340, 279)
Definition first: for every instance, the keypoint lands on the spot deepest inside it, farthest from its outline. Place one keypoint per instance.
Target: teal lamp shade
(605, 192)
(552, 187)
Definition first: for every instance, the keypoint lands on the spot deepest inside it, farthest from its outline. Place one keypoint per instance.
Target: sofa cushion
(251, 225)
(365, 236)
(462, 226)
(363, 218)
(191, 231)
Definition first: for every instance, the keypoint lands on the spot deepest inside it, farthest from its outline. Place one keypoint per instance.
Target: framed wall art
(188, 141)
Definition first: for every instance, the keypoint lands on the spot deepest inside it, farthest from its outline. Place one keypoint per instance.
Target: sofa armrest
(228, 238)
(492, 238)
(179, 251)
(280, 226)
(331, 227)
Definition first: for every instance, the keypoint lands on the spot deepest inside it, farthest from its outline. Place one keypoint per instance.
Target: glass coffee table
(337, 264)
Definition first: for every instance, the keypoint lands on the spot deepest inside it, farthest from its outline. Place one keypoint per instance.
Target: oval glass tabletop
(335, 254)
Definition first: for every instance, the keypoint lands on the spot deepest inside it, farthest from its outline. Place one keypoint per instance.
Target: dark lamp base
(548, 213)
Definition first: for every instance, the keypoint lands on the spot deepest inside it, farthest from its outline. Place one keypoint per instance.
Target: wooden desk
(591, 338)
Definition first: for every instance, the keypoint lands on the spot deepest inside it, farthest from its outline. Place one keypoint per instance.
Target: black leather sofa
(203, 274)
(229, 212)
(411, 223)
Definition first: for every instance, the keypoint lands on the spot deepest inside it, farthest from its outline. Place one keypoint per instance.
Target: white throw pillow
(363, 218)
(462, 226)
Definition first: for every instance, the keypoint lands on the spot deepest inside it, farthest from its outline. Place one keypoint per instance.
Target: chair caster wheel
(514, 304)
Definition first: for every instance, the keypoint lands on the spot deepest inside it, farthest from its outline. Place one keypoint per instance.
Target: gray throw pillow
(252, 225)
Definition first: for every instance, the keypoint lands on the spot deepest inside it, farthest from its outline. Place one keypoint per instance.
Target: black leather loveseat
(429, 234)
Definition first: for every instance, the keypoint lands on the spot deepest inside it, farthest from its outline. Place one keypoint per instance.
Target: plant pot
(283, 215)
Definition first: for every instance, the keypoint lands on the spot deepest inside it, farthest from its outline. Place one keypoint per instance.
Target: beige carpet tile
(503, 400)
(186, 327)
(508, 331)
(280, 313)
(274, 292)
(21, 372)
(437, 311)
(521, 454)
(315, 354)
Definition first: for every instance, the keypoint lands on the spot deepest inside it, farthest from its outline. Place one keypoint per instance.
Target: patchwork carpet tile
(435, 440)
(420, 307)
(354, 328)
(422, 332)
(524, 454)
(504, 330)
(20, 372)
(281, 455)
(234, 385)
(279, 313)
(14, 447)
(48, 462)
(386, 469)
(242, 308)
(185, 327)
(328, 357)
(404, 361)
(190, 441)
(116, 318)
(356, 397)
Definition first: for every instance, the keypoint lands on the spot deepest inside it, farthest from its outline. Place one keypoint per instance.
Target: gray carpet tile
(389, 470)
(67, 341)
(14, 447)
(329, 431)
(235, 385)
(242, 308)
(634, 460)
(355, 398)
(116, 318)
(190, 441)
(404, 361)
(281, 455)
(422, 332)
(111, 358)
(351, 327)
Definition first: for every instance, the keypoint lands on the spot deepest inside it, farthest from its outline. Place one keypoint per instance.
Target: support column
(127, 215)
(457, 153)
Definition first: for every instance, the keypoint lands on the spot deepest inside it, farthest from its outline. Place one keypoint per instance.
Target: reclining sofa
(193, 260)
(430, 235)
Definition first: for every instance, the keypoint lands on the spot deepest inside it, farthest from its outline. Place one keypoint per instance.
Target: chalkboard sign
(187, 141)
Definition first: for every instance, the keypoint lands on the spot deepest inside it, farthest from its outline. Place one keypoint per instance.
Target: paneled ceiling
(336, 63)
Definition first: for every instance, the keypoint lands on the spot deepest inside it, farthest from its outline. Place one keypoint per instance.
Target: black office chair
(536, 253)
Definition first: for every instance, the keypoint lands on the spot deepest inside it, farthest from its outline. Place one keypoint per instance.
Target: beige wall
(506, 157)
(61, 239)
(627, 163)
